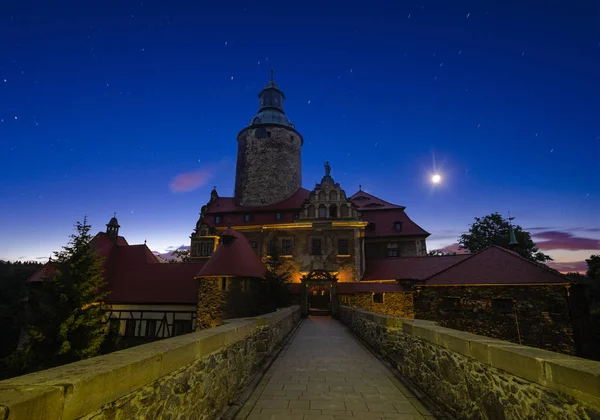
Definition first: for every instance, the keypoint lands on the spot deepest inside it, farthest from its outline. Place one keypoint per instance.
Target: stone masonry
(475, 377)
(191, 376)
(269, 168)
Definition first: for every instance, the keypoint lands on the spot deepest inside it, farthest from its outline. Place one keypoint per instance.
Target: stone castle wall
(539, 317)
(476, 377)
(190, 376)
(269, 166)
(396, 304)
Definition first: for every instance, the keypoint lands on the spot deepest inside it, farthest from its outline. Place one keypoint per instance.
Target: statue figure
(327, 169)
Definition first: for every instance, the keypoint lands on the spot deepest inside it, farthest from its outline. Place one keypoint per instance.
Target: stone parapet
(473, 376)
(196, 374)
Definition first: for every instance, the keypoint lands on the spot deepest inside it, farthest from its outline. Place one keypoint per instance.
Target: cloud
(553, 239)
(167, 255)
(569, 267)
(190, 181)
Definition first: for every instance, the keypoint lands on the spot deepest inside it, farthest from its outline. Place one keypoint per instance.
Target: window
(286, 247)
(272, 248)
(502, 306)
(315, 247)
(278, 216)
(451, 304)
(182, 326)
(371, 227)
(392, 250)
(196, 250)
(217, 220)
(151, 328)
(398, 226)
(343, 247)
(333, 211)
(206, 248)
(322, 211)
(377, 297)
(247, 217)
(253, 244)
(130, 327)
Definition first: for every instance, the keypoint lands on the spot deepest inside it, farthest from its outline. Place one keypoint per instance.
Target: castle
(358, 250)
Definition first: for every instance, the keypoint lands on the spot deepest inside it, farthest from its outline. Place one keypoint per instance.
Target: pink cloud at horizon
(190, 181)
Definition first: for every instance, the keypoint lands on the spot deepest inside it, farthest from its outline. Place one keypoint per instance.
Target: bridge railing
(473, 376)
(198, 373)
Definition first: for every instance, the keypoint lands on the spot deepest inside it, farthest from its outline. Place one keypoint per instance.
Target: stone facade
(193, 376)
(377, 248)
(531, 315)
(268, 165)
(396, 304)
(475, 377)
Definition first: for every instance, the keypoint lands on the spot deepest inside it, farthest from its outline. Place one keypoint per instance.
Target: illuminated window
(286, 247)
(377, 297)
(502, 306)
(343, 248)
(315, 247)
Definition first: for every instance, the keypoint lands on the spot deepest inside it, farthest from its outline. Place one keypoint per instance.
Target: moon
(436, 178)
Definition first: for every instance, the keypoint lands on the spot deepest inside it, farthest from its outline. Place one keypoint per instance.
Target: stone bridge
(279, 366)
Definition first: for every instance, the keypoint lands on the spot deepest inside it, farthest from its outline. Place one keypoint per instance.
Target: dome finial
(272, 71)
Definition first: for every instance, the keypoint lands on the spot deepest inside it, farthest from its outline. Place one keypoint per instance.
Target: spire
(513, 243)
(271, 105)
(213, 194)
(112, 229)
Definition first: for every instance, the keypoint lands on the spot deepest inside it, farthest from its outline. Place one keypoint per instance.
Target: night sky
(134, 107)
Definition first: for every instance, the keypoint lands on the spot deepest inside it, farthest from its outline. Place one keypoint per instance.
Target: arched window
(333, 196)
(344, 211)
(311, 212)
(333, 210)
(322, 196)
(322, 211)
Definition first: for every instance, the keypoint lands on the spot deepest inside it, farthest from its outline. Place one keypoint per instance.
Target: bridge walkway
(324, 373)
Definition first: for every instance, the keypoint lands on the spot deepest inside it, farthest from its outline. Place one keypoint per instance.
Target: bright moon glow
(436, 179)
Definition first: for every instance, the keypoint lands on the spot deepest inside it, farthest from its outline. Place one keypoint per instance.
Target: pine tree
(66, 312)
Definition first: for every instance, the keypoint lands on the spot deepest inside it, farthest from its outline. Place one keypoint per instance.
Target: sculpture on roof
(327, 169)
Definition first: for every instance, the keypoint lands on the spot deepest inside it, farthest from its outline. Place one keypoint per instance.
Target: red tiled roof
(385, 220)
(46, 271)
(371, 287)
(495, 265)
(135, 280)
(234, 259)
(231, 213)
(365, 202)
(409, 268)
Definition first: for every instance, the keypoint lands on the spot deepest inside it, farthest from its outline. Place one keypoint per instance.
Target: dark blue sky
(104, 104)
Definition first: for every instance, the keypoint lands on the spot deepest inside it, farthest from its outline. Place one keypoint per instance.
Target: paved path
(324, 373)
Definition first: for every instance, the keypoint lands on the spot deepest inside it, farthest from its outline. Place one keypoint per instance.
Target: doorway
(319, 300)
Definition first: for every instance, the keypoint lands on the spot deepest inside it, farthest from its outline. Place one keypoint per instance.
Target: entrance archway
(319, 294)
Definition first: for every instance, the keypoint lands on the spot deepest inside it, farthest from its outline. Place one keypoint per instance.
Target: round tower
(269, 166)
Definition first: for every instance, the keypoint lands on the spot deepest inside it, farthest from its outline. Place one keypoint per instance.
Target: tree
(593, 263)
(439, 253)
(272, 292)
(65, 320)
(12, 293)
(493, 229)
(181, 255)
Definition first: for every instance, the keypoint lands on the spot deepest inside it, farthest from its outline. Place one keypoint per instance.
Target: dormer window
(247, 217)
(398, 226)
(217, 220)
(371, 227)
(278, 216)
